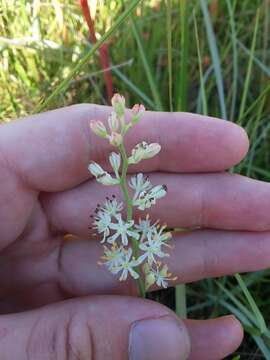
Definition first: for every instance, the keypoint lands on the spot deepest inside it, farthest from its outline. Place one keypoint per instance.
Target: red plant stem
(103, 51)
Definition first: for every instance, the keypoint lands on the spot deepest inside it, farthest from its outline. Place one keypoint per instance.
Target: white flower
(113, 257)
(144, 227)
(102, 224)
(115, 161)
(148, 198)
(162, 276)
(139, 183)
(143, 151)
(126, 265)
(101, 175)
(112, 207)
(160, 234)
(152, 247)
(122, 229)
(98, 128)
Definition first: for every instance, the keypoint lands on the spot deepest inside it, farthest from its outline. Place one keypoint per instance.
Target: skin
(54, 298)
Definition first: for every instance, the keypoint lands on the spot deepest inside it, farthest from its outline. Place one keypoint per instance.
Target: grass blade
(249, 68)
(134, 88)
(180, 301)
(215, 57)
(64, 84)
(202, 92)
(252, 304)
(264, 68)
(169, 46)
(235, 59)
(249, 328)
(147, 67)
(183, 78)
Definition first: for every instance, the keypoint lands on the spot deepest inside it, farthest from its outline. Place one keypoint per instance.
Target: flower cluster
(130, 248)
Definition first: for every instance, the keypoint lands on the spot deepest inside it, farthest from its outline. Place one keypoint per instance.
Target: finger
(97, 328)
(220, 201)
(73, 268)
(101, 328)
(51, 151)
(195, 255)
(227, 330)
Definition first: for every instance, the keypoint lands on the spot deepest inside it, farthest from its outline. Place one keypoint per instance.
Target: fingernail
(158, 339)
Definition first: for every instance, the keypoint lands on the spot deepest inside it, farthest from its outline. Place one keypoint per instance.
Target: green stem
(123, 181)
(124, 188)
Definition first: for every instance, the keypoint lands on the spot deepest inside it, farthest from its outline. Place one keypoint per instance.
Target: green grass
(213, 58)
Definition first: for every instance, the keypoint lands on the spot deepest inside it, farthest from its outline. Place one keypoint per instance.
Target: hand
(46, 192)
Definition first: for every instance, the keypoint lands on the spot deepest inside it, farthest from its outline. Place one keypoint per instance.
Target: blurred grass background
(210, 57)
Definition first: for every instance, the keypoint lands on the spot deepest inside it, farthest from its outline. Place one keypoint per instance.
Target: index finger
(51, 151)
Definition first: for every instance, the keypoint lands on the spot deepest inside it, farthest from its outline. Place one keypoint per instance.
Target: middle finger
(218, 201)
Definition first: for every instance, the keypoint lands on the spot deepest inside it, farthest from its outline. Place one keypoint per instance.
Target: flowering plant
(130, 248)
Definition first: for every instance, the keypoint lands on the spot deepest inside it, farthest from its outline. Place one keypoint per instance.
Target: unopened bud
(136, 113)
(113, 122)
(118, 103)
(95, 169)
(115, 161)
(102, 176)
(98, 128)
(115, 139)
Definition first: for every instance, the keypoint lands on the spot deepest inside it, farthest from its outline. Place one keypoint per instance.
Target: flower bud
(143, 151)
(118, 103)
(158, 191)
(95, 169)
(98, 128)
(115, 139)
(107, 179)
(115, 161)
(136, 113)
(102, 176)
(113, 122)
(150, 279)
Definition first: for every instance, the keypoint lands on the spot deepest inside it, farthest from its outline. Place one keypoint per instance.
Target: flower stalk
(124, 188)
(132, 249)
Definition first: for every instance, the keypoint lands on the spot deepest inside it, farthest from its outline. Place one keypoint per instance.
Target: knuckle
(68, 338)
(211, 264)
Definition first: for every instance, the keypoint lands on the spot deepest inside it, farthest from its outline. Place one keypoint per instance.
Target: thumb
(95, 328)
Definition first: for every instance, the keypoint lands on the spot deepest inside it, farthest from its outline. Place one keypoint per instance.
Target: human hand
(46, 192)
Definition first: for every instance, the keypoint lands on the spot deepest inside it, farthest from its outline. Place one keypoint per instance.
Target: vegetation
(209, 57)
